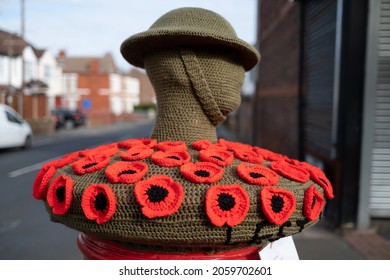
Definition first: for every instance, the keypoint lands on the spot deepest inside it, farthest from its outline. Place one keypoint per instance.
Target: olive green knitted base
(187, 229)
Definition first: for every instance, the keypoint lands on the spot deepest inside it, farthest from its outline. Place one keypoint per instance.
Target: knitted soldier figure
(183, 190)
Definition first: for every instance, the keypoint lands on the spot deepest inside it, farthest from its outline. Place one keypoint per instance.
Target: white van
(14, 131)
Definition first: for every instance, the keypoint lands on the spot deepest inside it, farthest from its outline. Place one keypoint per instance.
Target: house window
(70, 83)
(2, 68)
(28, 71)
(47, 72)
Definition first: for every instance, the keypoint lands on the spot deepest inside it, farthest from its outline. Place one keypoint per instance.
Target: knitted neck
(180, 116)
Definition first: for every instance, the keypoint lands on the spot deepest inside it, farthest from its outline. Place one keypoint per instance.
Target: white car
(14, 131)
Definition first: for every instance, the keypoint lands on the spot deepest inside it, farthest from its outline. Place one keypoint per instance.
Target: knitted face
(223, 75)
(163, 68)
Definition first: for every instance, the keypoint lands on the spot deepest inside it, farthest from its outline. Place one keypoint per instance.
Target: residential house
(95, 86)
(12, 50)
(50, 73)
(30, 78)
(147, 93)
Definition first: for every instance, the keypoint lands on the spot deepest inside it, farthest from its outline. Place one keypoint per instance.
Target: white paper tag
(282, 249)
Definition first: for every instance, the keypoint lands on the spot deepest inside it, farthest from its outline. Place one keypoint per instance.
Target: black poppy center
(277, 203)
(156, 193)
(202, 173)
(226, 201)
(100, 202)
(130, 171)
(174, 157)
(323, 181)
(217, 157)
(313, 202)
(135, 154)
(60, 193)
(256, 175)
(89, 165)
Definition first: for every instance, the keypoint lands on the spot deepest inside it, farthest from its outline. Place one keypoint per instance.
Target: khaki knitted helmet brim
(188, 27)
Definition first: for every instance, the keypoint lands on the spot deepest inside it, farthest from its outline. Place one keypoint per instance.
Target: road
(25, 230)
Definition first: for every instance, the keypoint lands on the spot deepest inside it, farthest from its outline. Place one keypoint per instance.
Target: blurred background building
(30, 78)
(95, 86)
(35, 82)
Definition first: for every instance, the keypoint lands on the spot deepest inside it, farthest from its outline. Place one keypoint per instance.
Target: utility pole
(22, 18)
(21, 94)
(9, 43)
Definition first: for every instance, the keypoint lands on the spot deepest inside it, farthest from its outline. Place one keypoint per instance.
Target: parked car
(14, 131)
(68, 118)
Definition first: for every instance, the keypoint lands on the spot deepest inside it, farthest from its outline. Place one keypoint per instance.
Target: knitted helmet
(184, 192)
(187, 27)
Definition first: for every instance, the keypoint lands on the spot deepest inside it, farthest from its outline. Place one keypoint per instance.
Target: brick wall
(98, 85)
(35, 107)
(276, 102)
(244, 120)
(147, 94)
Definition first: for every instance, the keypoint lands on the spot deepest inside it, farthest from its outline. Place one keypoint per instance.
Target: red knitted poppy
(318, 176)
(171, 146)
(201, 144)
(171, 158)
(60, 194)
(227, 204)
(232, 146)
(126, 172)
(98, 203)
(90, 164)
(220, 157)
(149, 142)
(291, 171)
(137, 153)
(107, 150)
(248, 155)
(277, 204)
(257, 174)
(65, 160)
(159, 196)
(201, 172)
(130, 143)
(42, 180)
(313, 203)
(269, 155)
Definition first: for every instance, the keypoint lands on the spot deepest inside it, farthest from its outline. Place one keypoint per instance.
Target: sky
(97, 27)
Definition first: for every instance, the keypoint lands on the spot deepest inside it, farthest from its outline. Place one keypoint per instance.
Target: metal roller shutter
(380, 151)
(320, 69)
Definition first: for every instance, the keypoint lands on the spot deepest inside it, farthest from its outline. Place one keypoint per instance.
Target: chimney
(61, 56)
(94, 66)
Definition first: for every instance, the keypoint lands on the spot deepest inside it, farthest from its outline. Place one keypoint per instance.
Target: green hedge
(145, 107)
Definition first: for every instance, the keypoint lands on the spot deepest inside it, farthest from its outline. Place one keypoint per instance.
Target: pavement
(321, 242)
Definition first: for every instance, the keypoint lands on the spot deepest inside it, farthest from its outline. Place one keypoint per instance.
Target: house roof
(82, 65)
(13, 45)
(38, 53)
